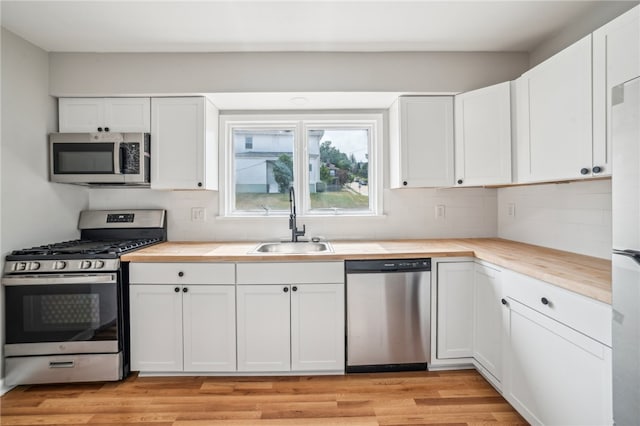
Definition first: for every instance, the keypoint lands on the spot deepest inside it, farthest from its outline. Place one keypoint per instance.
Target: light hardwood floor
(455, 397)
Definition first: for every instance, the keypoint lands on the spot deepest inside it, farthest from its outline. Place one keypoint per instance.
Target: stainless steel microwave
(100, 158)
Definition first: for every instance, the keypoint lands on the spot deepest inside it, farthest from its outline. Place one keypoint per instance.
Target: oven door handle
(61, 280)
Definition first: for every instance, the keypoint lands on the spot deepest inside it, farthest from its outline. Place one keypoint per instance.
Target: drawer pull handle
(177, 289)
(286, 289)
(544, 301)
(181, 274)
(185, 290)
(503, 301)
(61, 364)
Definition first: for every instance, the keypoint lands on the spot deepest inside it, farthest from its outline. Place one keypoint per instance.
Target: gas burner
(104, 237)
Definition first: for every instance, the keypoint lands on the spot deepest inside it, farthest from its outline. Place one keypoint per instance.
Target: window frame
(300, 124)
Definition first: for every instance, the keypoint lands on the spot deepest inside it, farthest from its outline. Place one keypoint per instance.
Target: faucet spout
(295, 232)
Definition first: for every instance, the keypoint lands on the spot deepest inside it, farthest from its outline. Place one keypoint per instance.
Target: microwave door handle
(119, 158)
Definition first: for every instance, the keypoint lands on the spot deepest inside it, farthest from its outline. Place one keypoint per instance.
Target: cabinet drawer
(581, 313)
(182, 273)
(290, 273)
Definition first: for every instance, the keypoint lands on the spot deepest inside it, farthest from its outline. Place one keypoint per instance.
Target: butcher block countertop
(589, 276)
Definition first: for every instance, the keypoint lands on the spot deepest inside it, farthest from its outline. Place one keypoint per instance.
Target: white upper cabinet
(184, 151)
(78, 115)
(616, 59)
(483, 136)
(421, 141)
(554, 125)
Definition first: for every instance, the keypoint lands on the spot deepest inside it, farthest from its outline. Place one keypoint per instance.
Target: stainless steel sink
(294, 248)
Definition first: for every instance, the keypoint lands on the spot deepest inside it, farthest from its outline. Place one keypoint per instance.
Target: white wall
(408, 213)
(571, 216)
(33, 211)
(597, 16)
(93, 74)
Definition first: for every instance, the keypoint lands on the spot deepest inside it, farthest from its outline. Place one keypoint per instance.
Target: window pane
(263, 168)
(339, 168)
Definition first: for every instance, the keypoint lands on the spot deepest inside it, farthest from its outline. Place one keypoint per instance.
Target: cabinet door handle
(405, 183)
(294, 288)
(286, 289)
(504, 302)
(584, 171)
(597, 169)
(177, 289)
(460, 181)
(199, 184)
(181, 274)
(99, 129)
(184, 290)
(544, 301)
(106, 129)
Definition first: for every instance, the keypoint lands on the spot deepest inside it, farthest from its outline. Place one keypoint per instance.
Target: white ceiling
(289, 25)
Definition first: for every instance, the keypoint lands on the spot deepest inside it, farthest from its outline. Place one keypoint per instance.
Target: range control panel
(120, 218)
(387, 265)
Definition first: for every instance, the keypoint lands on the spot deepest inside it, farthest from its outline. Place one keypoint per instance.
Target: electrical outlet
(198, 214)
(511, 210)
(440, 211)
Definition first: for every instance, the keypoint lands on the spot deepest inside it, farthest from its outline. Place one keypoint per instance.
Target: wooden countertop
(586, 275)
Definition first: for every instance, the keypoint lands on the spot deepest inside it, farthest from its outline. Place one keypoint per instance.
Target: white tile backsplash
(575, 217)
(570, 216)
(408, 213)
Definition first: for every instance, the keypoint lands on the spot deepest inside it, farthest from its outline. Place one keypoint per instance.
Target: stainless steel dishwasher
(388, 314)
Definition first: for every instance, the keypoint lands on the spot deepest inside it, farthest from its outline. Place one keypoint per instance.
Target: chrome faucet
(295, 233)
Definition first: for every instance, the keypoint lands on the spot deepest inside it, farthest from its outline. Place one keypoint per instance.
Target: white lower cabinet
(555, 375)
(547, 349)
(557, 364)
(263, 328)
(290, 317)
(455, 309)
(488, 321)
(156, 328)
(291, 327)
(179, 324)
(317, 327)
(208, 320)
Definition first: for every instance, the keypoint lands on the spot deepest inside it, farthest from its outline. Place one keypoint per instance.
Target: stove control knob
(60, 264)
(99, 264)
(34, 266)
(85, 264)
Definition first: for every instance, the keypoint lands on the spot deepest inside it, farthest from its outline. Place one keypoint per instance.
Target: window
(248, 142)
(332, 162)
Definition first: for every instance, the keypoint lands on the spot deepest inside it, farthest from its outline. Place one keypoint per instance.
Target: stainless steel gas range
(66, 304)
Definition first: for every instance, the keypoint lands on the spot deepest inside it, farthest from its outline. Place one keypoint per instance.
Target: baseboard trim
(4, 389)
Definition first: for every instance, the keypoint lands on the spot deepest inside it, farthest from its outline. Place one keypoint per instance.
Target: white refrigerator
(626, 252)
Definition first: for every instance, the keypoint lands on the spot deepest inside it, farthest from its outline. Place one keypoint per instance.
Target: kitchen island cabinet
(183, 318)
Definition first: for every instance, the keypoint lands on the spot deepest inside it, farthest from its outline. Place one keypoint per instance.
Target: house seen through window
(327, 163)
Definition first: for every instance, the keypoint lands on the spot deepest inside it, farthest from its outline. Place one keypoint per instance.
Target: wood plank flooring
(452, 397)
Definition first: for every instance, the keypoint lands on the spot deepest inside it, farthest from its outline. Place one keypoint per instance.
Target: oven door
(61, 314)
